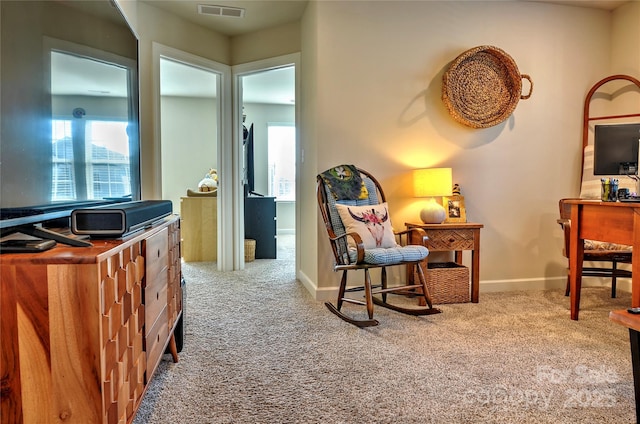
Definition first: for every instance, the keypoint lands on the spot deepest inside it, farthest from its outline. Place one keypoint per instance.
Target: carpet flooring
(259, 349)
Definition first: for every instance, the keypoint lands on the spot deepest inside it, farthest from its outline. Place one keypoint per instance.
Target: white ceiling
(77, 76)
(274, 86)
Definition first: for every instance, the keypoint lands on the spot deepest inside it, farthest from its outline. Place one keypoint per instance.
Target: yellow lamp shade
(432, 182)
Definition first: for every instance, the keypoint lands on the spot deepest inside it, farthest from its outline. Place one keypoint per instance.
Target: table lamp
(432, 182)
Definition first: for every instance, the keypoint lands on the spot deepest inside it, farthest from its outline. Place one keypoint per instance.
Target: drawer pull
(451, 240)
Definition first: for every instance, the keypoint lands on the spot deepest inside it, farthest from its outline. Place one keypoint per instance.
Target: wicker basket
(482, 87)
(448, 282)
(249, 250)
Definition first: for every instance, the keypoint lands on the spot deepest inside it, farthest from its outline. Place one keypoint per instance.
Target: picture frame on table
(454, 208)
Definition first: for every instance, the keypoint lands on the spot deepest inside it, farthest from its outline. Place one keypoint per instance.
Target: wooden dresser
(84, 328)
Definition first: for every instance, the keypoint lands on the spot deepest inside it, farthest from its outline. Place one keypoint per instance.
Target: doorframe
(227, 194)
(237, 72)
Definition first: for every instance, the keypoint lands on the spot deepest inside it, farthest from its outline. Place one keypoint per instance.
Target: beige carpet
(258, 349)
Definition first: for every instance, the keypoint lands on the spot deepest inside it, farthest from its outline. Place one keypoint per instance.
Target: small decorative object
(433, 182)
(209, 182)
(455, 209)
(456, 190)
(482, 87)
(609, 189)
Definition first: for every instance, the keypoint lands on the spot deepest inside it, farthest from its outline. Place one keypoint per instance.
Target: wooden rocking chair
(353, 250)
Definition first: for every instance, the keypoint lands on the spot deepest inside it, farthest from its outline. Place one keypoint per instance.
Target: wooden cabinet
(83, 329)
(260, 225)
(199, 216)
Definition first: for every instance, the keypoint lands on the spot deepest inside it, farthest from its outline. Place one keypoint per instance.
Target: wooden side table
(455, 237)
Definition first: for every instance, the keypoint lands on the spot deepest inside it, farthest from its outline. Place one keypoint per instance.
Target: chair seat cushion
(603, 245)
(391, 255)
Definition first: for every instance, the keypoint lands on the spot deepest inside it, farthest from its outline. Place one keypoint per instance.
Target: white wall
(189, 144)
(377, 104)
(265, 44)
(625, 53)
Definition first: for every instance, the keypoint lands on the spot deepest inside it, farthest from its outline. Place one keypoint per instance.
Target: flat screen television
(615, 149)
(249, 164)
(69, 110)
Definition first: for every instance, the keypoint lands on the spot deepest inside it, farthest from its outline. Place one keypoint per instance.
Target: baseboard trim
(487, 286)
(309, 284)
(518, 284)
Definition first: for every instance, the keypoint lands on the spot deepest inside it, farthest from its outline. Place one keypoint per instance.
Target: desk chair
(606, 255)
(355, 214)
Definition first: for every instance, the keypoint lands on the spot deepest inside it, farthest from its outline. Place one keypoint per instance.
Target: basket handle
(528, 78)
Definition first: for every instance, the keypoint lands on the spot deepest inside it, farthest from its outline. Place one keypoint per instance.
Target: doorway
(195, 135)
(267, 93)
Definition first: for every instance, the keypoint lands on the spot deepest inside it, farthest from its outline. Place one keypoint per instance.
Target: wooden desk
(631, 321)
(455, 237)
(613, 222)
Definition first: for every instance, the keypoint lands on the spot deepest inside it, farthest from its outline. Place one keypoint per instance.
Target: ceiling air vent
(232, 12)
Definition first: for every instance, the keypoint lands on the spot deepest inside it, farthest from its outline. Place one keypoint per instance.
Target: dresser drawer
(157, 258)
(155, 340)
(155, 300)
(450, 239)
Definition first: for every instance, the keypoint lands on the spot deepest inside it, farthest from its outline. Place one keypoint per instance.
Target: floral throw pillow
(371, 222)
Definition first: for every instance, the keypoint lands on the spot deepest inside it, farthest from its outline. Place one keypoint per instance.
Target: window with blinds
(105, 147)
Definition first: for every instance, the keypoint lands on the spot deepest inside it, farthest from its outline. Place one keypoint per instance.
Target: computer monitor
(616, 149)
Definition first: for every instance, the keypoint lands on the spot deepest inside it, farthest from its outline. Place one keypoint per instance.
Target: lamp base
(433, 213)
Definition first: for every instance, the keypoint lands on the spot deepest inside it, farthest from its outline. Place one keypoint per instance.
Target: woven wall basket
(482, 87)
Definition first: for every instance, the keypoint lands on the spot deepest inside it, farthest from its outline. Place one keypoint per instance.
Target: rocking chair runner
(353, 254)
